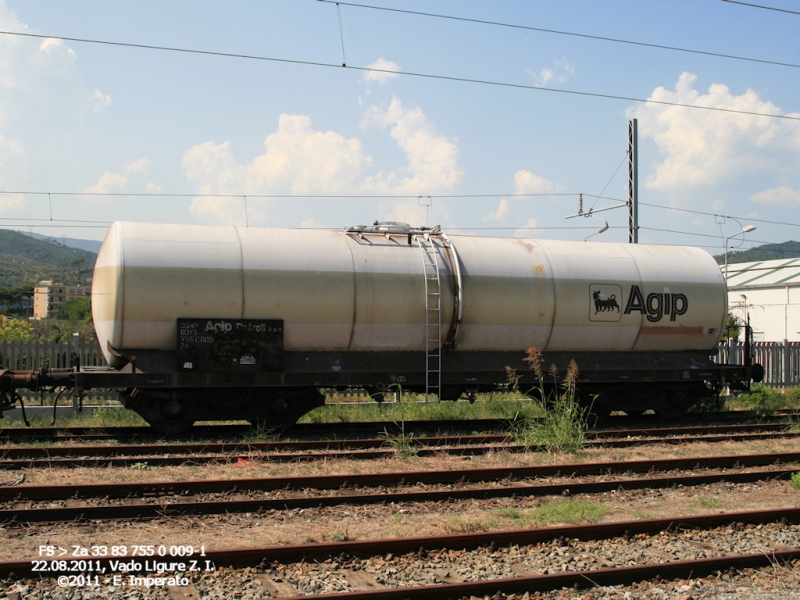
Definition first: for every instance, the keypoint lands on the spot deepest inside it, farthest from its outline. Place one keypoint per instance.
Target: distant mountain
(88, 245)
(766, 252)
(25, 260)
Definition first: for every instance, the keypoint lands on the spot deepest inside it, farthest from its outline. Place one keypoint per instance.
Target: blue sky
(103, 132)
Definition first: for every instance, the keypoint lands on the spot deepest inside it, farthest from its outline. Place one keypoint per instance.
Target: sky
(487, 118)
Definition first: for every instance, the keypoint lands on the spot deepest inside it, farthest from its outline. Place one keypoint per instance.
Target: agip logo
(606, 301)
(656, 305)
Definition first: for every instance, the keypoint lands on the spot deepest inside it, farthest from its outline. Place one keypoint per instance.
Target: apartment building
(48, 297)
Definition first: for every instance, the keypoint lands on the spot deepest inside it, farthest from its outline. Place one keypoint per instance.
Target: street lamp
(745, 229)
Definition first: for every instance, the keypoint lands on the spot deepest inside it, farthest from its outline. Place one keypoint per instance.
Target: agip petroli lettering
(226, 327)
(656, 305)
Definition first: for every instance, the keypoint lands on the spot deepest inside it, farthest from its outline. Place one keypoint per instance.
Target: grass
(551, 512)
(402, 442)
(103, 416)
(143, 466)
(560, 510)
(764, 400)
(796, 480)
(709, 503)
(414, 408)
(560, 422)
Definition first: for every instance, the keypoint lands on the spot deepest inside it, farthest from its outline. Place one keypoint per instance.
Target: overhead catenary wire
(570, 33)
(376, 196)
(761, 6)
(432, 76)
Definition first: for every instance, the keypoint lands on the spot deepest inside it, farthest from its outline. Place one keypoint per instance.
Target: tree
(15, 330)
(732, 327)
(75, 310)
(78, 264)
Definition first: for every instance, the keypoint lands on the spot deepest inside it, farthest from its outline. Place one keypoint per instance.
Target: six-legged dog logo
(604, 302)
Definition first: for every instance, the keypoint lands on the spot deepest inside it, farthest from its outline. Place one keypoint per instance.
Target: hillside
(789, 249)
(24, 261)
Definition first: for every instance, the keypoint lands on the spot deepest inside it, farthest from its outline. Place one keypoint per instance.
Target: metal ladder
(433, 316)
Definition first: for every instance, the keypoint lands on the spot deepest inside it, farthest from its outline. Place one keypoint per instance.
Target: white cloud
(152, 188)
(527, 229)
(55, 53)
(10, 149)
(303, 161)
(414, 214)
(98, 101)
(213, 169)
(527, 182)
(43, 98)
(299, 160)
(385, 70)
(706, 147)
(560, 73)
(780, 196)
(296, 160)
(502, 212)
(432, 159)
(140, 165)
(223, 211)
(312, 223)
(107, 183)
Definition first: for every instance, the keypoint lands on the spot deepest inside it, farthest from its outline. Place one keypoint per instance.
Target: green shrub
(763, 400)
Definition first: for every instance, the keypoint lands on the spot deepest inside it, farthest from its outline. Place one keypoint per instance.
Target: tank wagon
(207, 322)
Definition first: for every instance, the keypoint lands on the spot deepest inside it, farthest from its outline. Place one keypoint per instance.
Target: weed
(261, 432)
(562, 428)
(642, 514)
(520, 519)
(403, 442)
(796, 480)
(142, 466)
(560, 510)
(340, 537)
(709, 502)
(763, 400)
(498, 405)
(712, 403)
(455, 524)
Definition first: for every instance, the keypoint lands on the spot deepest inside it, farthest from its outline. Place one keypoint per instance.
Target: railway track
(504, 562)
(30, 504)
(19, 457)
(478, 564)
(371, 429)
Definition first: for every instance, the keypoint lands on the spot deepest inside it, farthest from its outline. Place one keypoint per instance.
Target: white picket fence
(32, 356)
(781, 360)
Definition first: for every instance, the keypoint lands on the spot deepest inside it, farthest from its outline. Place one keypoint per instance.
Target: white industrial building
(769, 293)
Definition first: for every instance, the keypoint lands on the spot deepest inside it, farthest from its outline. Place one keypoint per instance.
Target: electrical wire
(451, 78)
(783, 10)
(383, 197)
(568, 33)
(600, 195)
(699, 212)
(337, 196)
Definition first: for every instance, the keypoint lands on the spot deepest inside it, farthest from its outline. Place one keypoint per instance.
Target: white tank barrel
(365, 291)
